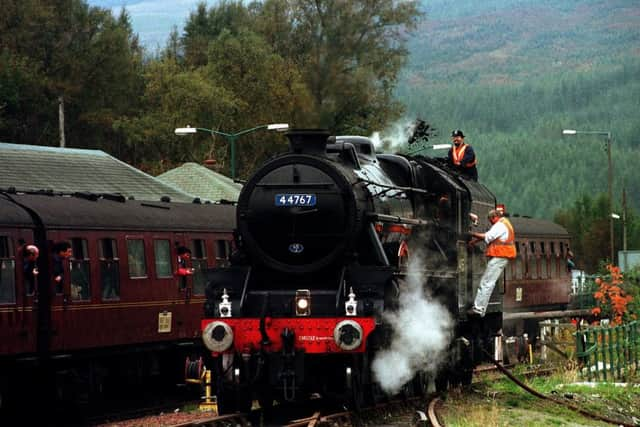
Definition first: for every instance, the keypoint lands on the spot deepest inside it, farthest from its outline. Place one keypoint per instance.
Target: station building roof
(68, 170)
(202, 182)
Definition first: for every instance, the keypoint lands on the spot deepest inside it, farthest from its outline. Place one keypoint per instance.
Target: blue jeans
(495, 266)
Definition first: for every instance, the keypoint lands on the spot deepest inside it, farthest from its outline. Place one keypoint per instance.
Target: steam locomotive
(326, 235)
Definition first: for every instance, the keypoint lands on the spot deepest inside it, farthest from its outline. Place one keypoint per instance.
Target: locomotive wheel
(234, 399)
(265, 399)
(357, 395)
(420, 384)
(442, 381)
(356, 386)
(243, 400)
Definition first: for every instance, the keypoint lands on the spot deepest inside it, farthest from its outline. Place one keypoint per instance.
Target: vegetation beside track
(500, 402)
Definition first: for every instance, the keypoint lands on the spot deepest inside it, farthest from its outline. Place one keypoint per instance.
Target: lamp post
(607, 135)
(624, 226)
(232, 137)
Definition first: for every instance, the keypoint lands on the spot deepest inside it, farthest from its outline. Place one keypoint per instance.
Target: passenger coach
(121, 312)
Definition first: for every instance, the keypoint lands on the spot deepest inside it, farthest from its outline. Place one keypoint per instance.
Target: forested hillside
(513, 74)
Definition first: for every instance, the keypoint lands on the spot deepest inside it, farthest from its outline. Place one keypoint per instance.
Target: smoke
(422, 331)
(394, 138)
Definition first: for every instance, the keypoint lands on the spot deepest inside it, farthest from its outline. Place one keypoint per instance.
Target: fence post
(627, 348)
(634, 337)
(594, 339)
(619, 365)
(612, 343)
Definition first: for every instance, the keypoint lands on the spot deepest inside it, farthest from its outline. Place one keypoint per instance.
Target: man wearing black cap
(461, 156)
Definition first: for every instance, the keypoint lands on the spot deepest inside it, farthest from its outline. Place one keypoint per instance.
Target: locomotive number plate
(295, 199)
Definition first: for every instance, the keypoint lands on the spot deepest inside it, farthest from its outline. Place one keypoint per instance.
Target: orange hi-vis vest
(457, 154)
(506, 249)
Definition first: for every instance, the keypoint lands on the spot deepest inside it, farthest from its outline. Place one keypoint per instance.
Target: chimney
(308, 141)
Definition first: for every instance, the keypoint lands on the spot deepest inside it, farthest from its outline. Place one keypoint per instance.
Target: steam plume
(394, 138)
(422, 330)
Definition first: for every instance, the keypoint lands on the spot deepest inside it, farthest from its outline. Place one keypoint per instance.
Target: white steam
(394, 138)
(422, 331)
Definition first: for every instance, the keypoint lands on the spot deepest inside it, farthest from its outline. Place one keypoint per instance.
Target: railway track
(232, 420)
(425, 414)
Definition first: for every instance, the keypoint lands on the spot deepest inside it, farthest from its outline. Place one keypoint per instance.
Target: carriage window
(162, 253)
(79, 266)
(532, 262)
(544, 265)
(561, 249)
(7, 271)
(222, 253)
(553, 248)
(198, 249)
(109, 269)
(136, 259)
(199, 264)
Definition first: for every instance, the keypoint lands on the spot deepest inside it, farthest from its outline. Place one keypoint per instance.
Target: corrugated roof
(525, 226)
(202, 182)
(67, 170)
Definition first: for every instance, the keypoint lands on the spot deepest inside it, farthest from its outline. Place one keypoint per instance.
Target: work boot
(472, 313)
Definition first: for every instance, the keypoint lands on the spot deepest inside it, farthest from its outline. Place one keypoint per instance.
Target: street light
(609, 177)
(231, 137)
(624, 226)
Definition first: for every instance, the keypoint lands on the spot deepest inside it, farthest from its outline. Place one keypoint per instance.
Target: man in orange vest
(461, 156)
(501, 247)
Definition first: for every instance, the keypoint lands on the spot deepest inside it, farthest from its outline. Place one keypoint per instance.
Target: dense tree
(587, 221)
(173, 98)
(205, 25)
(267, 89)
(349, 53)
(67, 53)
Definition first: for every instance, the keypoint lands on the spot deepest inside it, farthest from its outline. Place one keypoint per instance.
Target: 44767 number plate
(295, 199)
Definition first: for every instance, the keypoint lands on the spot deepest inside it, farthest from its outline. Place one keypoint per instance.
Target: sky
(153, 19)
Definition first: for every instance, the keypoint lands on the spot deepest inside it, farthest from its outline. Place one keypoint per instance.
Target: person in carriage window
(184, 255)
(61, 252)
(30, 268)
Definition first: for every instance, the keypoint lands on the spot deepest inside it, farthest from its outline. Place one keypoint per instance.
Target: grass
(496, 401)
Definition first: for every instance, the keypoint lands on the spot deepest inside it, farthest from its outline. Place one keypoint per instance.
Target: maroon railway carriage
(538, 283)
(121, 309)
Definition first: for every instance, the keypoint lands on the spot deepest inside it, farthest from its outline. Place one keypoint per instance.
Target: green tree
(67, 53)
(350, 53)
(172, 98)
(587, 221)
(267, 89)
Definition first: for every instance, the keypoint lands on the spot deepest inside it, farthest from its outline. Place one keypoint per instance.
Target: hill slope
(513, 74)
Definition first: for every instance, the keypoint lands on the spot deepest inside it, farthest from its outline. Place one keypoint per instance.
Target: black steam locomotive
(326, 235)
